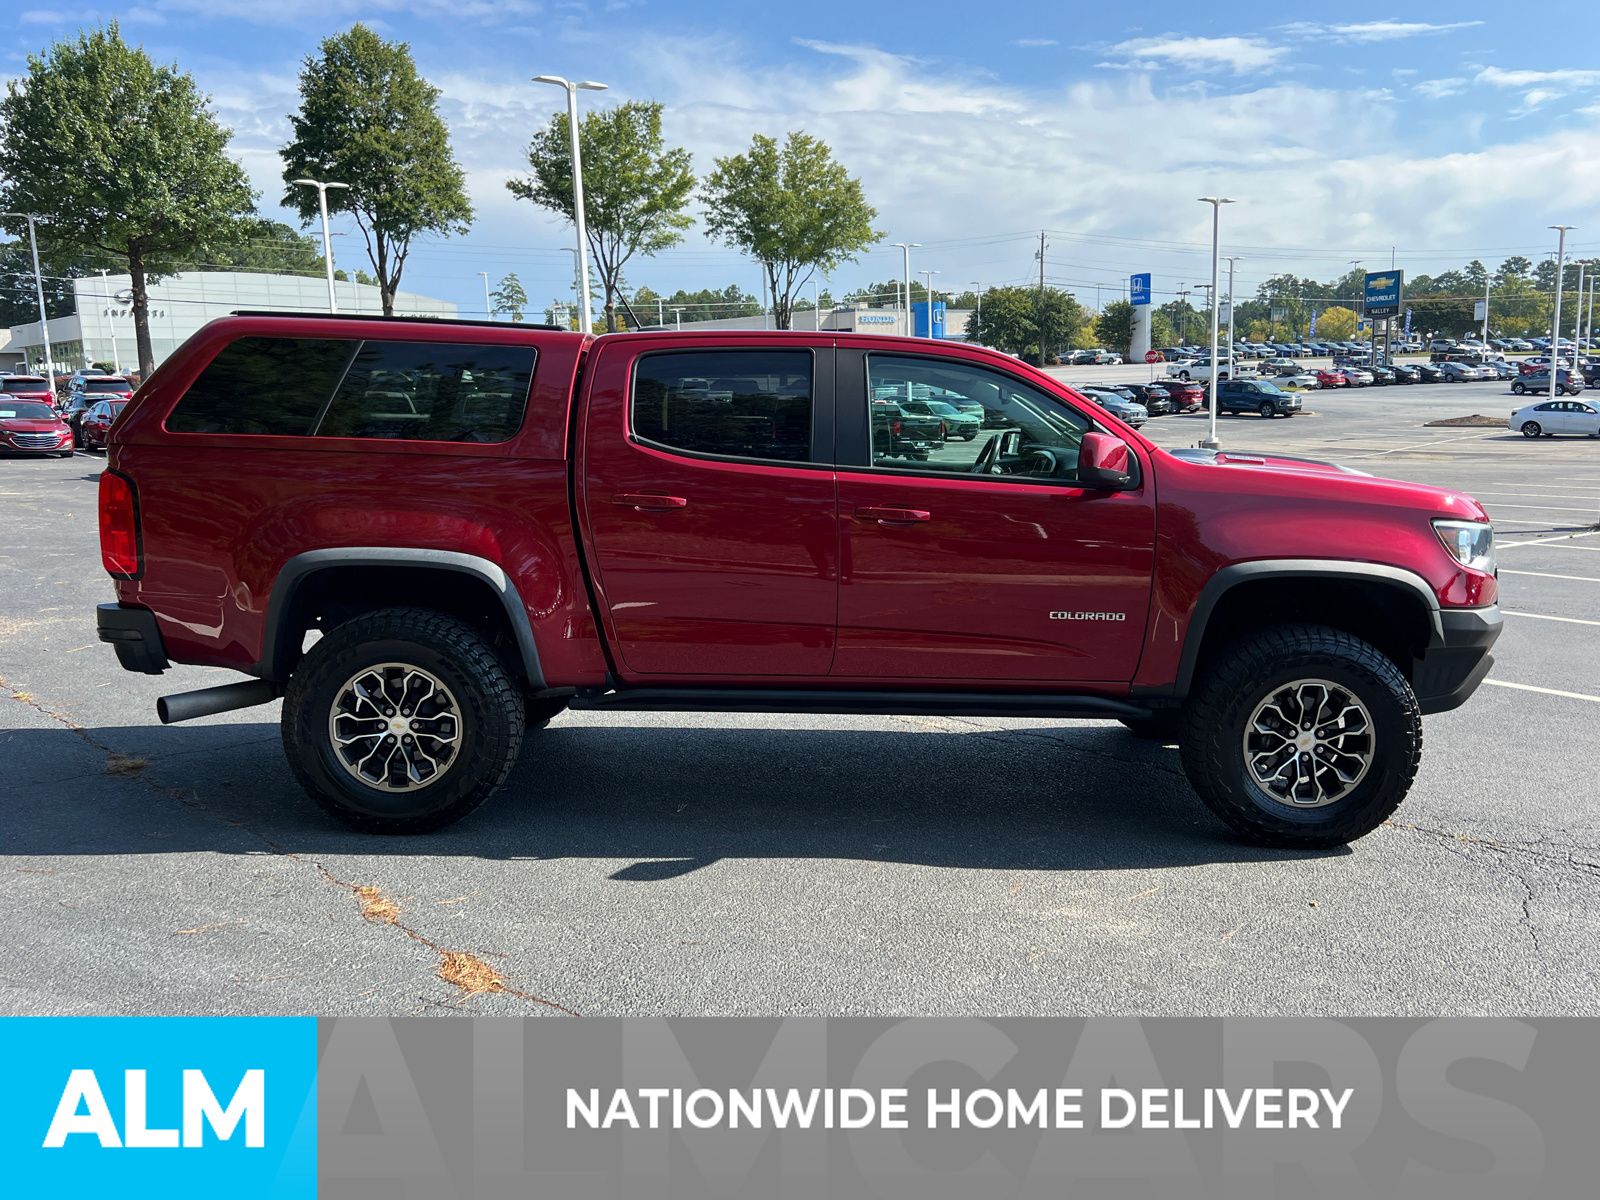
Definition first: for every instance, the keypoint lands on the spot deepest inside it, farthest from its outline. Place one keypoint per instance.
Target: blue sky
(972, 126)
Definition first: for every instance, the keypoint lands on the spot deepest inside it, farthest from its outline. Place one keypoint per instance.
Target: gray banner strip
(1237, 1108)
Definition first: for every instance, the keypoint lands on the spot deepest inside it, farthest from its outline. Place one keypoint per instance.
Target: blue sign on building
(919, 316)
(1382, 296)
(1139, 288)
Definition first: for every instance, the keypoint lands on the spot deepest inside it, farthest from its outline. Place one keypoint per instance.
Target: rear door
(953, 573)
(709, 506)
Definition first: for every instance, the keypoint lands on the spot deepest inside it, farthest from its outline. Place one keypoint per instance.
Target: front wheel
(402, 721)
(1266, 409)
(1530, 429)
(1517, 389)
(1303, 737)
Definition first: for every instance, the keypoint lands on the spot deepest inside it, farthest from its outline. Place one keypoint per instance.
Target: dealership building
(100, 328)
(857, 318)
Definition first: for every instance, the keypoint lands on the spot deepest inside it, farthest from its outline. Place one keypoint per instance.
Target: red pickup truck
(429, 537)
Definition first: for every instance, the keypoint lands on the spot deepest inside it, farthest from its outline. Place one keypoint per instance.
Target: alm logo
(83, 1110)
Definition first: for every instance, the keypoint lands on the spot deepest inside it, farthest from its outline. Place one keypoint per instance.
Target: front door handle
(893, 516)
(644, 502)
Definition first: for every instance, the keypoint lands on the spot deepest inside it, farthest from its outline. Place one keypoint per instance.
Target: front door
(982, 560)
(710, 508)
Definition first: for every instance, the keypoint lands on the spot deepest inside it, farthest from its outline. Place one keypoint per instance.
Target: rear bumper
(133, 633)
(1447, 674)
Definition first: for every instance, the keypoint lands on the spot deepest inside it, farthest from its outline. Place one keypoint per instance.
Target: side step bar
(858, 703)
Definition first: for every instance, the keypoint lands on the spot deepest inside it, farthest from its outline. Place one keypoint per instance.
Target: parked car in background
(1462, 372)
(1381, 376)
(1539, 382)
(1355, 376)
(26, 387)
(77, 404)
(1157, 401)
(1440, 344)
(1329, 378)
(1405, 373)
(1502, 369)
(1260, 396)
(33, 427)
(1304, 379)
(1556, 416)
(899, 434)
(94, 427)
(957, 424)
(1124, 410)
(1185, 396)
(99, 382)
(1428, 373)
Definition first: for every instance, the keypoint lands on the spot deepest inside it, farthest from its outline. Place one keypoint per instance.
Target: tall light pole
(488, 304)
(322, 187)
(572, 89)
(38, 288)
(677, 314)
(1577, 317)
(977, 290)
(905, 250)
(927, 282)
(1555, 323)
(1233, 334)
(111, 321)
(1485, 332)
(1216, 202)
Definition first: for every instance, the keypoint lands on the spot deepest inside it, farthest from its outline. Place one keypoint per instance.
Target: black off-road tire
(491, 718)
(1248, 671)
(1158, 727)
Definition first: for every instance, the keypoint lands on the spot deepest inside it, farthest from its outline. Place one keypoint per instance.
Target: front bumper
(133, 632)
(1447, 674)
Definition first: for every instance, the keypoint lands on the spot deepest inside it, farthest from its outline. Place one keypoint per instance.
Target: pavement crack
(465, 971)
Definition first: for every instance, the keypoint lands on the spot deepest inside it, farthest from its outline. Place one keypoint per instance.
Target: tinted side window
(303, 387)
(732, 403)
(263, 386)
(432, 392)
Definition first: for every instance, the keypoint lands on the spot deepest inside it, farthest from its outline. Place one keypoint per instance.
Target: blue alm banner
(159, 1106)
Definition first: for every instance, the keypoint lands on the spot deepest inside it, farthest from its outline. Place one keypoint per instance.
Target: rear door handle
(644, 502)
(893, 516)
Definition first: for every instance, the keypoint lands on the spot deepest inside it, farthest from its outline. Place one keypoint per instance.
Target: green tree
(119, 158)
(634, 187)
(366, 118)
(1337, 323)
(1114, 326)
(255, 245)
(792, 208)
(19, 301)
(509, 297)
(1015, 320)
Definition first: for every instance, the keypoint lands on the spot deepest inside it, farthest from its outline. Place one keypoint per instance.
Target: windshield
(26, 410)
(943, 409)
(1270, 389)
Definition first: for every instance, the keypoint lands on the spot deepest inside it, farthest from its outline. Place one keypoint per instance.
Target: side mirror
(1104, 463)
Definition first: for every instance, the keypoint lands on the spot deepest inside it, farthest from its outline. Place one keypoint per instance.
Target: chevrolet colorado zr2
(431, 537)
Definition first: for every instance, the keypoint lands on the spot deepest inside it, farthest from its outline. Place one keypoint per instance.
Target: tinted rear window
(732, 403)
(306, 387)
(22, 383)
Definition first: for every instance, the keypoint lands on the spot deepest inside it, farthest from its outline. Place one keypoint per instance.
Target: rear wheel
(1302, 736)
(402, 721)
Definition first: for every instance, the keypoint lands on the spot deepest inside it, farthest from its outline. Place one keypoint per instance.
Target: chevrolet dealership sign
(1382, 297)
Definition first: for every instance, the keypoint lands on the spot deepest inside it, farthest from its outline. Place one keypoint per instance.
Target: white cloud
(1236, 54)
(1438, 89)
(1373, 31)
(1539, 87)
(1035, 43)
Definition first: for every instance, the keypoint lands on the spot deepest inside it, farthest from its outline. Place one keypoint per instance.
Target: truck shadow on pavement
(670, 797)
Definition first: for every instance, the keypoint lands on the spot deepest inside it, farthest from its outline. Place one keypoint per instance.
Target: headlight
(1471, 543)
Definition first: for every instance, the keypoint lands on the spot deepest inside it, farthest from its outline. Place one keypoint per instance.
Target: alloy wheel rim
(1309, 743)
(395, 727)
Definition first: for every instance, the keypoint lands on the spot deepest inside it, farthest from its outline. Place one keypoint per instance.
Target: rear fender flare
(275, 654)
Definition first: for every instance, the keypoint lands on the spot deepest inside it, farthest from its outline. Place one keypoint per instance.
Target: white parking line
(1511, 612)
(1550, 541)
(1526, 687)
(1540, 507)
(1549, 575)
(1431, 442)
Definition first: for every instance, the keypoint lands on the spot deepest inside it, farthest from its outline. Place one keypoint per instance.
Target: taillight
(119, 527)
(894, 428)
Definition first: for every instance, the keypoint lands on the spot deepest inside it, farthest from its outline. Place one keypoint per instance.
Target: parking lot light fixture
(1555, 320)
(322, 187)
(38, 287)
(905, 249)
(1210, 442)
(572, 89)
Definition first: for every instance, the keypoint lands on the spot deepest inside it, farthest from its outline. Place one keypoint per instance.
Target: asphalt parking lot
(665, 864)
